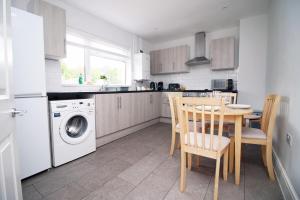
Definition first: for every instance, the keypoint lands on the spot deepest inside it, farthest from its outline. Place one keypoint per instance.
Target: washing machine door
(74, 128)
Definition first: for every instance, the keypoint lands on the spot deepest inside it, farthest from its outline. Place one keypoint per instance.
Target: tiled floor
(138, 167)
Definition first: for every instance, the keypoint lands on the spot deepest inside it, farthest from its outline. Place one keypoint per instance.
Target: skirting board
(165, 120)
(285, 184)
(114, 136)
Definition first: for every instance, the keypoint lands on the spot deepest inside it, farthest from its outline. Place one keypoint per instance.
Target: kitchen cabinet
(152, 105)
(222, 53)
(107, 114)
(165, 106)
(170, 60)
(155, 62)
(124, 108)
(54, 19)
(115, 112)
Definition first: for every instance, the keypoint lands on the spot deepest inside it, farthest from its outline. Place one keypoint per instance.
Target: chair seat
(191, 126)
(224, 141)
(252, 133)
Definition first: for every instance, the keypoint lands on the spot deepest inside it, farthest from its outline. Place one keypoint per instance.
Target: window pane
(114, 70)
(73, 65)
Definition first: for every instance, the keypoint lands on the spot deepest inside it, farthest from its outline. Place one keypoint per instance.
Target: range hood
(199, 58)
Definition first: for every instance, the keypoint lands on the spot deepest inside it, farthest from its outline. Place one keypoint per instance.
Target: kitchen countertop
(79, 95)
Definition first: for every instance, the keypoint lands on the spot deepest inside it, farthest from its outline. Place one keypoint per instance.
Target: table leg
(238, 138)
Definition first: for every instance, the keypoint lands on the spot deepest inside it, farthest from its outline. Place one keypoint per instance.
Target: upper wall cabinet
(168, 61)
(54, 27)
(222, 52)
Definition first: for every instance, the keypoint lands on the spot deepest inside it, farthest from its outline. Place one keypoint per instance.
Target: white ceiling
(159, 20)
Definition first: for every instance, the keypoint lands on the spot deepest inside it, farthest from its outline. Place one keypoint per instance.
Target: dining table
(235, 116)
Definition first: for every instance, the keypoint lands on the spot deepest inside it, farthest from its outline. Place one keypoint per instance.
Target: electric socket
(289, 139)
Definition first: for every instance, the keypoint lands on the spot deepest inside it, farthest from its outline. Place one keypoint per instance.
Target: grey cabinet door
(222, 54)
(138, 108)
(148, 106)
(152, 62)
(54, 19)
(107, 114)
(156, 104)
(168, 61)
(182, 54)
(124, 110)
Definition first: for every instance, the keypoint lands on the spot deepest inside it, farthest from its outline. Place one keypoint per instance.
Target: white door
(10, 186)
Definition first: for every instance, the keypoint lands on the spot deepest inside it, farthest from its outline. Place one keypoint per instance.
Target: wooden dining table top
(232, 111)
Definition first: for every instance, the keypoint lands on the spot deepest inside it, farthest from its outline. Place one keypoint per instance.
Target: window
(96, 62)
(73, 65)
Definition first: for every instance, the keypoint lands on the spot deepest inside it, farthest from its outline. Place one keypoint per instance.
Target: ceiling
(160, 20)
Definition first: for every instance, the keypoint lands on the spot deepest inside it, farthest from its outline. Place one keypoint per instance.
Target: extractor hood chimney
(199, 58)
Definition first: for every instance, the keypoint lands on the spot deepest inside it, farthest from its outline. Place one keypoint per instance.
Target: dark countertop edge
(131, 91)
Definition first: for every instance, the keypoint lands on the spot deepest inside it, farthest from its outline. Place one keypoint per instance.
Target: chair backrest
(173, 106)
(207, 111)
(229, 97)
(271, 105)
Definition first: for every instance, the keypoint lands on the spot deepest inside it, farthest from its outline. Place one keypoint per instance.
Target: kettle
(153, 86)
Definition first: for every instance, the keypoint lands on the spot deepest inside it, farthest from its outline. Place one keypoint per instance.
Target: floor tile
(69, 192)
(116, 189)
(30, 193)
(96, 178)
(137, 172)
(60, 179)
(196, 186)
(227, 189)
(152, 188)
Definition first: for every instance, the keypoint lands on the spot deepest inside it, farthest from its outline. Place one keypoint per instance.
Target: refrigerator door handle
(14, 112)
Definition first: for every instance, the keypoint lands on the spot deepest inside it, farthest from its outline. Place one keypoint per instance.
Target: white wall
(283, 79)
(200, 76)
(252, 62)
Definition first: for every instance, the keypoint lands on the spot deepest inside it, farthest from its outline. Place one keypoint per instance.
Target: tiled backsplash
(199, 77)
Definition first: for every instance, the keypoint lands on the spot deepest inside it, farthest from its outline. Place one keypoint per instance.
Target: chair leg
(231, 155)
(263, 154)
(173, 142)
(178, 142)
(189, 161)
(183, 171)
(270, 162)
(216, 188)
(197, 161)
(225, 165)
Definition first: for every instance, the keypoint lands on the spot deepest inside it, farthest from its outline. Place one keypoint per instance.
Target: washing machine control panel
(58, 106)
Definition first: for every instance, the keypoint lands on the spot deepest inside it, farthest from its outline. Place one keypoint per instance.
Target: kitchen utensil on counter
(160, 86)
(174, 86)
(153, 85)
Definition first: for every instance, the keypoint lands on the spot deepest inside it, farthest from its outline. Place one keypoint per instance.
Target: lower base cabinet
(119, 111)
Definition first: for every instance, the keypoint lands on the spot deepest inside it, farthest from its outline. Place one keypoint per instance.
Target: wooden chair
(261, 136)
(202, 143)
(174, 117)
(175, 124)
(229, 97)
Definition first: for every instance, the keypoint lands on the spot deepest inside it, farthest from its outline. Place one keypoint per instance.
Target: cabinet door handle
(120, 102)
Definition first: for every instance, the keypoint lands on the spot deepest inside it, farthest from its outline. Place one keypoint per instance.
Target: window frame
(92, 51)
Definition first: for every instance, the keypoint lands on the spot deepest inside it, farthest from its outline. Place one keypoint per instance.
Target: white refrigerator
(29, 81)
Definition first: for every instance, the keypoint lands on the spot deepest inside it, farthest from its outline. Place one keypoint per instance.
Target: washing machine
(72, 129)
